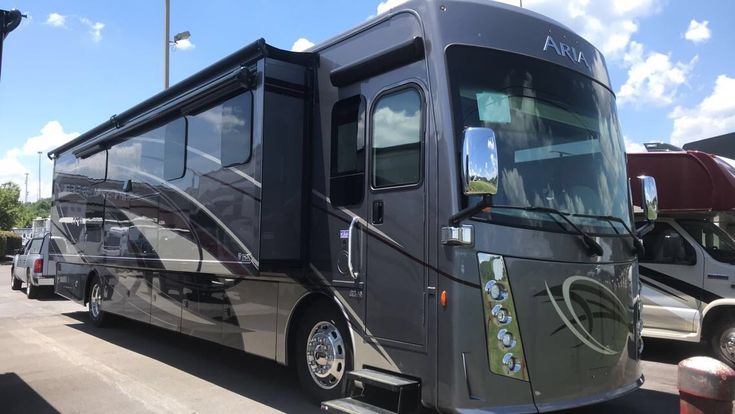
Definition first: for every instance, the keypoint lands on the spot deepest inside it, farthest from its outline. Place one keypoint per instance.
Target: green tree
(27, 212)
(9, 205)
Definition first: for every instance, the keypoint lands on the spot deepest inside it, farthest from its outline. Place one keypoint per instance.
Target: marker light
(495, 290)
(443, 298)
(506, 338)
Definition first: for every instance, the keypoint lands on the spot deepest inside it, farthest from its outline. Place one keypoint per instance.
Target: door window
(397, 137)
(665, 245)
(347, 176)
(712, 238)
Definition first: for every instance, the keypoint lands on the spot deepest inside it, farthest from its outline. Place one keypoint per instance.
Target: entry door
(396, 277)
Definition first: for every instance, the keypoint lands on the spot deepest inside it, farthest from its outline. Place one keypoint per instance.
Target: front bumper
(560, 405)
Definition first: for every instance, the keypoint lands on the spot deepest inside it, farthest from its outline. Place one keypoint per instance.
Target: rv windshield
(558, 139)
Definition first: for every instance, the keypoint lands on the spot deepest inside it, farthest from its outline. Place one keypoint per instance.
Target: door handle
(378, 212)
(353, 223)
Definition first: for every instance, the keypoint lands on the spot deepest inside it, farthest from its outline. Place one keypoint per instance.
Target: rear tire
(31, 291)
(323, 353)
(15, 283)
(97, 316)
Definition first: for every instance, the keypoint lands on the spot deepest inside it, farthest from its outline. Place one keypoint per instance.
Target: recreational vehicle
(429, 209)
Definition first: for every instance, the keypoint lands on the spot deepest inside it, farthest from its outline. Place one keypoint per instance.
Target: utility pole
(26, 188)
(166, 6)
(39, 176)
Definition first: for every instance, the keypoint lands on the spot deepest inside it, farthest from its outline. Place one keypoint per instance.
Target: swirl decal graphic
(576, 327)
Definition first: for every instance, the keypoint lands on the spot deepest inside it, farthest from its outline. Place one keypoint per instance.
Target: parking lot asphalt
(53, 361)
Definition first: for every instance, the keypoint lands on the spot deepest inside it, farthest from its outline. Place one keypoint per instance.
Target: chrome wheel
(95, 298)
(325, 355)
(727, 345)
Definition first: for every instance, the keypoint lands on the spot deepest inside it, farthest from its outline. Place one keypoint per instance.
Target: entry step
(382, 380)
(352, 406)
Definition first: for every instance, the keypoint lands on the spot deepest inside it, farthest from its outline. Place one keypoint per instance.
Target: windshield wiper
(592, 245)
(637, 243)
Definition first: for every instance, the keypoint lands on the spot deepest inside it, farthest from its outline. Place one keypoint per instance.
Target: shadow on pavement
(671, 352)
(252, 377)
(18, 397)
(641, 401)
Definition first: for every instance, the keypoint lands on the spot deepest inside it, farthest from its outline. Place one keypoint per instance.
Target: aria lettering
(563, 49)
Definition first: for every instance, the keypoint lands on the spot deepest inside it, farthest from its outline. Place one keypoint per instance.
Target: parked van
(688, 269)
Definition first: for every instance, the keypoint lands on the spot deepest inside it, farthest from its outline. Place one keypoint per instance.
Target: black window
(396, 144)
(712, 238)
(174, 159)
(93, 167)
(665, 245)
(347, 178)
(236, 126)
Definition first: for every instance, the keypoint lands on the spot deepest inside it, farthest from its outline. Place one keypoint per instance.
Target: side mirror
(479, 162)
(649, 193)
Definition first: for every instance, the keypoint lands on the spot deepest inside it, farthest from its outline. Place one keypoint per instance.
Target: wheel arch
(712, 313)
(306, 301)
(88, 285)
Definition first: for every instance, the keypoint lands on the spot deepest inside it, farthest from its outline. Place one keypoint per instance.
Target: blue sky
(71, 65)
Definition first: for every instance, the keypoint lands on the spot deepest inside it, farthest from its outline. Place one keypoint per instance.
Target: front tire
(323, 353)
(15, 283)
(723, 341)
(97, 316)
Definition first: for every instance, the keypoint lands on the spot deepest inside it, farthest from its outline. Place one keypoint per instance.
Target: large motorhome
(430, 209)
(688, 269)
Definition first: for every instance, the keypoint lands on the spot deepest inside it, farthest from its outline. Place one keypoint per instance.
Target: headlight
(503, 332)
(506, 338)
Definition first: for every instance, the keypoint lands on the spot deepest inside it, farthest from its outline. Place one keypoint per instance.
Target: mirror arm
(645, 229)
(486, 202)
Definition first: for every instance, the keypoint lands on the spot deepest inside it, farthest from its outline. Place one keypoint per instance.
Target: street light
(167, 42)
(39, 176)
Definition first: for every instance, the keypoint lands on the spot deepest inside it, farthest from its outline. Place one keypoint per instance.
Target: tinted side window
(397, 133)
(174, 159)
(347, 178)
(665, 245)
(236, 126)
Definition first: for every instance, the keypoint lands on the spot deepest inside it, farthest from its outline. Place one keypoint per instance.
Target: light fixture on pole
(167, 42)
(39, 176)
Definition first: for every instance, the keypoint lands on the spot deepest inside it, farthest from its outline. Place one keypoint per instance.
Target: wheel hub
(728, 344)
(325, 355)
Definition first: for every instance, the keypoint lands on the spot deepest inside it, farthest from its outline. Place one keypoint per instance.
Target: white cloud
(632, 146)
(301, 44)
(698, 32)
(184, 44)
(715, 115)
(652, 77)
(607, 24)
(18, 161)
(95, 28)
(52, 136)
(56, 20)
(386, 5)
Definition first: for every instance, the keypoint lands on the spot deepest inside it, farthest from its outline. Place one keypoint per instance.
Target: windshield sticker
(586, 147)
(493, 107)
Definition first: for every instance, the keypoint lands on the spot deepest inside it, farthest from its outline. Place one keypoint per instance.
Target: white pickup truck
(34, 266)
